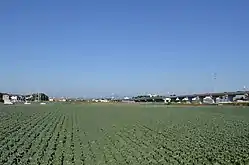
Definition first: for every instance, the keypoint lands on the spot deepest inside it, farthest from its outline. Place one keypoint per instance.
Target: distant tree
(37, 96)
(1, 97)
(43, 97)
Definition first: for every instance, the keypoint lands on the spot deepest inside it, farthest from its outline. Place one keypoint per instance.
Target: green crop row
(92, 135)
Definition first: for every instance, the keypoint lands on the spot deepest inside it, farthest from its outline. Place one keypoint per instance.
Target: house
(6, 99)
(126, 98)
(14, 98)
(152, 95)
(104, 101)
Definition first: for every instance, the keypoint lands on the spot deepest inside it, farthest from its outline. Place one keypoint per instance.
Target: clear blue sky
(95, 48)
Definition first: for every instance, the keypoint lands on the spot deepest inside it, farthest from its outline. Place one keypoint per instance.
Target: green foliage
(123, 134)
(38, 96)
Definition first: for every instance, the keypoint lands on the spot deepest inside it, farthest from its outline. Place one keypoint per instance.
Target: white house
(14, 98)
(126, 98)
(104, 101)
(152, 95)
(6, 99)
(167, 100)
(63, 100)
(51, 99)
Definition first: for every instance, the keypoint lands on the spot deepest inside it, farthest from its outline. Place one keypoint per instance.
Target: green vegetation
(123, 134)
(37, 96)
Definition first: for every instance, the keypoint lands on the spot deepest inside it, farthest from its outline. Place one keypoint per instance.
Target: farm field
(123, 134)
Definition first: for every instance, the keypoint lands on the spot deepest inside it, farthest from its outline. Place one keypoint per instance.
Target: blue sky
(95, 48)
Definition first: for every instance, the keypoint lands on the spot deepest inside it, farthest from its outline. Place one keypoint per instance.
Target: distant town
(203, 98)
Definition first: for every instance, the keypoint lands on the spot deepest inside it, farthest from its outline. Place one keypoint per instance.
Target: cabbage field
(123, 134)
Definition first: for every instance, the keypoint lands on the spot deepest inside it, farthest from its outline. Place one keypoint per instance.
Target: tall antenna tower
(214, 81)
